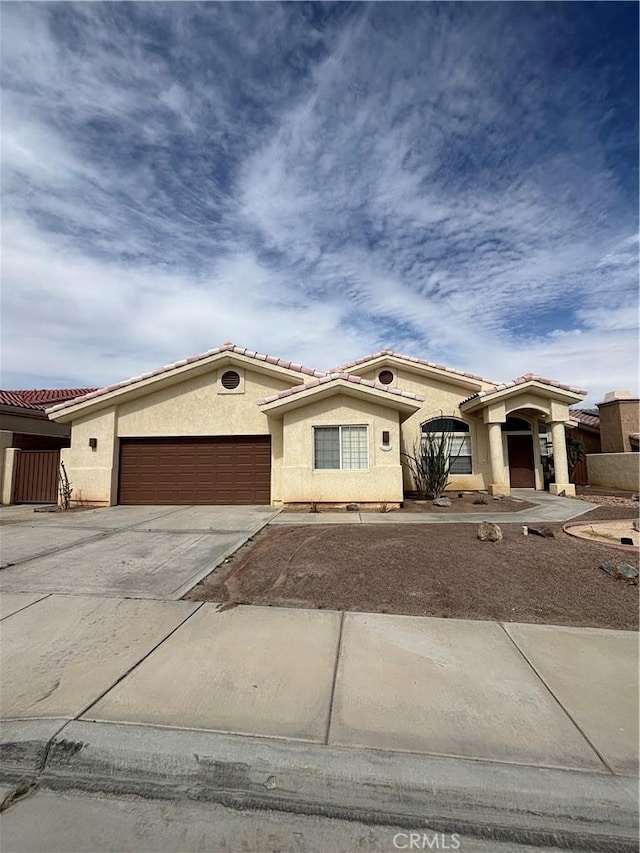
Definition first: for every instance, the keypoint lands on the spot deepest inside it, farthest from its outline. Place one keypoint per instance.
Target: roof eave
(157, 380)
(405, 405)
(562, 394)
(448, 375)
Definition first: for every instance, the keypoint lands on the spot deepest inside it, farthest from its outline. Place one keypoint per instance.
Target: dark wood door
(208, 470)
(36, 478)
(521, 464)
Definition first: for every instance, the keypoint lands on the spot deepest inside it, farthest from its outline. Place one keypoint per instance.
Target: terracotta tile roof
(332, 377)
(226, 347)
(584, 416)
(415, 360)
(40, 398)
(522, 380)
(14, 398)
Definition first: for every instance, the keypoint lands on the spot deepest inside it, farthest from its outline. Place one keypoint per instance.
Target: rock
(499, 497)
(489, 532)
(622, 571)
(546, 532)
(635, 497)
(353, 508)
(627, 572)
(442, 502)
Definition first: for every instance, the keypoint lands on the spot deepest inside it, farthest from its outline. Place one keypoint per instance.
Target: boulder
(353, 508)
(622, 571)
(545, 532)
(442, 502)
(489, 532)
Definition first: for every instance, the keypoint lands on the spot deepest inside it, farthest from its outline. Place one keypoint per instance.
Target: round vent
(230, 380)
(385, 377)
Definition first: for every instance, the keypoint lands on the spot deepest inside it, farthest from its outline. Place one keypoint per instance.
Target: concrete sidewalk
(548, 508)
(519, 731)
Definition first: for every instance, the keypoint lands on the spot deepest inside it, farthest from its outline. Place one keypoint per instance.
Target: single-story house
(26, 431)
(237, 426)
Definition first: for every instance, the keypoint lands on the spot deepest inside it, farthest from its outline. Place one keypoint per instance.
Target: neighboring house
(25, 427)
(617, 465)
(236, 426)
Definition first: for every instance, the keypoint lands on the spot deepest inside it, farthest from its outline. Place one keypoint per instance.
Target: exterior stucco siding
(380, 482)
(193, 407)
(614, 470)
(441, 399)
(91, 472)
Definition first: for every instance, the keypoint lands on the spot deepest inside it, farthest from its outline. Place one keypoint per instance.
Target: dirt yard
(430, 570)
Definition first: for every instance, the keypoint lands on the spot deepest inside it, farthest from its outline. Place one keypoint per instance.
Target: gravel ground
(430, 570)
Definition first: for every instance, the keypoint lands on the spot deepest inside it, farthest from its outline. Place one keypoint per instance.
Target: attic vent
(230, 380)
(385, 377)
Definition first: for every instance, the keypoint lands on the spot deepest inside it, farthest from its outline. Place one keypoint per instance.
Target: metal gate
(36, 477)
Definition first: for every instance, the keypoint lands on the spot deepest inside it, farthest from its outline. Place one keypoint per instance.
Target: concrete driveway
(126, 552)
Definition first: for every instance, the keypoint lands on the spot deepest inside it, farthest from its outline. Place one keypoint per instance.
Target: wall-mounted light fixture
(93, 443)
(385, 436)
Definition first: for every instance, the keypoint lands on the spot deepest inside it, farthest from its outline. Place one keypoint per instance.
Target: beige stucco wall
(381, 482)
(9, 463)
(614, 470)
(441, 399)
(194, 406)
(91, 472)
(618, 418)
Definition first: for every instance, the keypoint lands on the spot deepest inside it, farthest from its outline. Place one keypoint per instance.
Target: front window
(340, 448)
(459, 442)
(544, 441)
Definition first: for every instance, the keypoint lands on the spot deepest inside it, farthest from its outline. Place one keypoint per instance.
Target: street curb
(525, 805)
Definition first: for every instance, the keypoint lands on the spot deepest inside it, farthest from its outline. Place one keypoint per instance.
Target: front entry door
(521, 464)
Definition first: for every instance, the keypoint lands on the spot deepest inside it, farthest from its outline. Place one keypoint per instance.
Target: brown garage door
(211, 470)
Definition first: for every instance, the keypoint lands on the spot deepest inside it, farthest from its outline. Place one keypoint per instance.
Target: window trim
(468, 433)
(340, 427)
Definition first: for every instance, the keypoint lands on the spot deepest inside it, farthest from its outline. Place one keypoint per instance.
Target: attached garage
(203, 470)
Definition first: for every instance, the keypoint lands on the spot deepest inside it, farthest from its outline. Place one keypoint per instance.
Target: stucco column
(560, 464)
(496, 457)
(9, 473)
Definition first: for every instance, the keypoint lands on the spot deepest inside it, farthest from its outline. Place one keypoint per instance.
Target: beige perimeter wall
(614, 470)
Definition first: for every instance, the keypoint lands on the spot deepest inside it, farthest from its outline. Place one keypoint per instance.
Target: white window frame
(340, 427)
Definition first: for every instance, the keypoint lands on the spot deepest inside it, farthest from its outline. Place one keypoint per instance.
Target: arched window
(516, 425)
(458, 442)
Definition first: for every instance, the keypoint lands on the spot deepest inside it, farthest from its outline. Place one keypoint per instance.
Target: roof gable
(520, 383)
(265, 363)
(338, 382)
(418, 365)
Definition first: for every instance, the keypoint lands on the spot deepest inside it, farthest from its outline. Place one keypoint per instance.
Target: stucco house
(237, 426)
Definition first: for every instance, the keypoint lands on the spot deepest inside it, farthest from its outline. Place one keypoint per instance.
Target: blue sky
(319, 181)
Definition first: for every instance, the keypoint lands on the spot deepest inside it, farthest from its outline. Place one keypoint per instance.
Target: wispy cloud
(318, 181)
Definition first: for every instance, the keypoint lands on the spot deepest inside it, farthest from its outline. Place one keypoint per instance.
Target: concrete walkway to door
(122, 551)
(548, 508)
